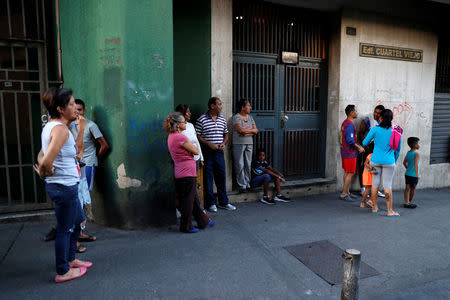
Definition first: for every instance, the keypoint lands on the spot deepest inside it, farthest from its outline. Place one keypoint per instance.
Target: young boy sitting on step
(263, 174)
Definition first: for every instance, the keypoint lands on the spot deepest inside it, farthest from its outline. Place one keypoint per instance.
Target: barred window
(443, 65)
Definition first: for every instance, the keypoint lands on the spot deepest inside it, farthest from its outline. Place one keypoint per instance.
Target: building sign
(388, 52)
(289, 57)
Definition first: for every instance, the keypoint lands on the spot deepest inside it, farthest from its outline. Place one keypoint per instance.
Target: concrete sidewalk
(243, 255)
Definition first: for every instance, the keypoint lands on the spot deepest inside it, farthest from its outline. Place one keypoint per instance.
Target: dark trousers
(360, 160)
(68, 219)
(189, 204)
(214, 169)
(197, 166)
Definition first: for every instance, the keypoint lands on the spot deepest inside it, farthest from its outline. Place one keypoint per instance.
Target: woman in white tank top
(61, 171)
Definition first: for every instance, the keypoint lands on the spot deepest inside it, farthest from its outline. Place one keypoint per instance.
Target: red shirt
(348, 140)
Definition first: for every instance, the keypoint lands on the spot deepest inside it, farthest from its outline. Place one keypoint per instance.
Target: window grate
(269, 28)
(443, 66)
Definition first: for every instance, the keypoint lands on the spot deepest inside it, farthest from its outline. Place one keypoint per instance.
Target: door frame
(43, 84)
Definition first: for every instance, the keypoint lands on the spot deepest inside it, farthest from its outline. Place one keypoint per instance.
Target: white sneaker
(267, 200)
(213, 208)
(380, 194)
(227, 207)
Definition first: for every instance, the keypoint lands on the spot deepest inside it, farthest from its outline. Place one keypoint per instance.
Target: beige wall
(407, 88)
(333, 157)
(222, 64)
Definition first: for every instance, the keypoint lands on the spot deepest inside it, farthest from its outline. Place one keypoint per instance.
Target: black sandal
(88, 238)
(81, 249)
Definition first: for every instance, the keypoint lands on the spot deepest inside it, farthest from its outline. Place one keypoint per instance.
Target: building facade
(299, 63)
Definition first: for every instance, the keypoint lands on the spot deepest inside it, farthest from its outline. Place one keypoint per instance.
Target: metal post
(352, 260)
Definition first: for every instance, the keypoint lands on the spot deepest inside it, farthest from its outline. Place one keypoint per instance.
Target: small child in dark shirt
(263, 174)
(367, 178)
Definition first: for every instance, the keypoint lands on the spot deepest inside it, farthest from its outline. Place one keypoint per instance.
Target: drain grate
(325, 259)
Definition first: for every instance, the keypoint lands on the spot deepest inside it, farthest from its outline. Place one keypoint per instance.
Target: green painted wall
(192, 54)
(118, 57)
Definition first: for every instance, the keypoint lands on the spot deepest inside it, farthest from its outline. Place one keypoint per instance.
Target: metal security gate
(22, 79)
(288, 100)
(440, 137)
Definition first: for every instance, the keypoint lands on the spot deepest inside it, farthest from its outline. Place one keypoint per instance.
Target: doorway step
(292, 189)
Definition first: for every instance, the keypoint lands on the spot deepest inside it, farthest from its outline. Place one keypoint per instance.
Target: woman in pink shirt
(182, 152)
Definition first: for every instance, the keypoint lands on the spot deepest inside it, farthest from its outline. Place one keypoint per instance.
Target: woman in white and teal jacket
(383, 160)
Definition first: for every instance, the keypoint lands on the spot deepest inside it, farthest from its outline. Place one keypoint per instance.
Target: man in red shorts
(349, 150)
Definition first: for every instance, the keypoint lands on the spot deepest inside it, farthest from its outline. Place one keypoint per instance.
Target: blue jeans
(214, 168)
(90, 174)
(69, 216)
(261, 179)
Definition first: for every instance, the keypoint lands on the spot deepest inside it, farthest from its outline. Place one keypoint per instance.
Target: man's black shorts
(412, 181)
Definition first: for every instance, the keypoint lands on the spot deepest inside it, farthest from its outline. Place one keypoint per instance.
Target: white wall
(407, 88)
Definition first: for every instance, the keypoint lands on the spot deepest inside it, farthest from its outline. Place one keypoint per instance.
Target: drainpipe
(58, 42)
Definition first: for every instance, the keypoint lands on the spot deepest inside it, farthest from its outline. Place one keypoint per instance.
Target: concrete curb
(39, 215)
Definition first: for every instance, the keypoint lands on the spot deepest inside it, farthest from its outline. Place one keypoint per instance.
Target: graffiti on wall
(140, 137)
(152, 174)
(145, 145)
(144, 138)
(135, 125)
(402, 112)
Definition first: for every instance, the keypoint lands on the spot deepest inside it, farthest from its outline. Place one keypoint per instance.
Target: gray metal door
(303, 118)
(20, 126)
(288, 108)
(23, 77)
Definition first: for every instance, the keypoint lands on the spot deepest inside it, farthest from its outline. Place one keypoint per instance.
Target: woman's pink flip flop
(72, 276)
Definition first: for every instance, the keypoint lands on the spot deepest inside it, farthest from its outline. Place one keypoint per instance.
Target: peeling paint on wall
(126, 182)
(157, 61)
(141, 93)
(110, 54)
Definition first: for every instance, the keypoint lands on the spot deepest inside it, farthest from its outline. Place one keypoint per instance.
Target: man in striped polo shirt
(349, 150)
(212, 132)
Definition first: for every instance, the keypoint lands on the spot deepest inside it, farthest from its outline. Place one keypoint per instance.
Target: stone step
(293, 188)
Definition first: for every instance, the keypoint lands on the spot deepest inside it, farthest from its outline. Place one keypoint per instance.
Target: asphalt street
(243, 255)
